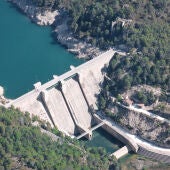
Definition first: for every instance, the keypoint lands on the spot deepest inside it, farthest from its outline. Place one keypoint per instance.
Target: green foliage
(19, 139)
(102, 102)
(45, 3)
(92, 19)
(145, 97)
(148, 32)
(129, 71)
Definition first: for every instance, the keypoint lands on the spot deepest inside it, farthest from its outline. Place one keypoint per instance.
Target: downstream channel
(103, 139)
(29, 54)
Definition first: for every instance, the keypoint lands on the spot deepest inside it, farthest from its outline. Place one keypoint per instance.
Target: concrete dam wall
(65, 102)
(77, 103)
(58, 110)
(67, 107)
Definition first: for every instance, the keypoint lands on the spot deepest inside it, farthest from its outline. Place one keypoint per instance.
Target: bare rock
(1, 91)
(41, 16)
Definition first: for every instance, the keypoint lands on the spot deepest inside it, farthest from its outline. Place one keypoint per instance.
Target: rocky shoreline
(3, 100)
(41, 16)
(62, 33)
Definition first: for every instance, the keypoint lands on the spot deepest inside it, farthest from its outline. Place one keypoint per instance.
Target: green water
(103, 139)
(27, 53)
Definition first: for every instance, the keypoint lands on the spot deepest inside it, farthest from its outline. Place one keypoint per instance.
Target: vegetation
(21, 141)
(144, 32)
(23, 146)
(124, 72)
(92, 19)
(132, 162)
(143, 27)
(45, 3)
(145, 97)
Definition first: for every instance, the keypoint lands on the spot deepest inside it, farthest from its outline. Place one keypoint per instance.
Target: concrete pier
(77, 103)
(59, 112)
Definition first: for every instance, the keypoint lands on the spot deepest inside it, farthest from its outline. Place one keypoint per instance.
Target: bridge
(92, 129)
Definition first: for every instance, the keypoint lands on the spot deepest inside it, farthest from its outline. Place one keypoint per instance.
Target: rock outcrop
(3, 100)
(46, 16)
(150, 129)
(65, 36)
(39, 15)
(1, 91)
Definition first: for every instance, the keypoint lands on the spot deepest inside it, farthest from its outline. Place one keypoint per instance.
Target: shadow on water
(101, 138)
(14, 6)
(54, 38)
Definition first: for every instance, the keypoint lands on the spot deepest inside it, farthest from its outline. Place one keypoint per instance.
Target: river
(29, 54)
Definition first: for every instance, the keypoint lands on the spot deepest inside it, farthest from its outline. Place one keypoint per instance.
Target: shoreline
(40, 16)
(62, 34)
(3, 99)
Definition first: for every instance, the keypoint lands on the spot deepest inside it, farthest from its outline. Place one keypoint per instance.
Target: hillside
(141, 28)
(23, 146)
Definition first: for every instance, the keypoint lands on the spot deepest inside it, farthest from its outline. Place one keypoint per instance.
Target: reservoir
(28, 54)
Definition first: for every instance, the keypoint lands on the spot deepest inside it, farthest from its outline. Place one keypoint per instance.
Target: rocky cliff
(46, 16)
(147, 128)
(39, 15)
(64, 35)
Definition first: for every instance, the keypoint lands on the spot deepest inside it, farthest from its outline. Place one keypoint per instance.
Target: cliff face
(39, 15)
(82, 48)
(147, 128)
(63, 34)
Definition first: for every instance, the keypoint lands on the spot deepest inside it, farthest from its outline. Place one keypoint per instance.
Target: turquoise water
(27, 53)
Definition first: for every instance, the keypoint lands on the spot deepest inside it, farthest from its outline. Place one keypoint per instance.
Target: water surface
(103, 139)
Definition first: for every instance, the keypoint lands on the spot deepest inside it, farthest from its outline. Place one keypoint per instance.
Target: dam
(69, 103)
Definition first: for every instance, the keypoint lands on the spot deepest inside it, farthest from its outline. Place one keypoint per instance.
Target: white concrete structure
(59, 112)
(120, 152)
(30, 101)
(134, 142)
(149, 114)
(77, 103)
(68, 108)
